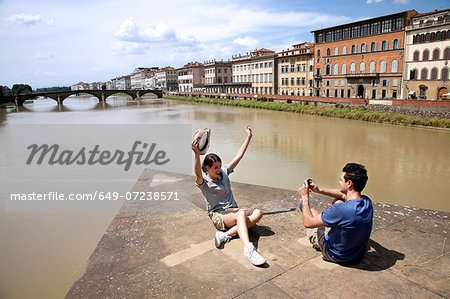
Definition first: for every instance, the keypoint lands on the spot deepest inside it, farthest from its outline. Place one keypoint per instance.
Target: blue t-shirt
(351, 225)
(218, 193)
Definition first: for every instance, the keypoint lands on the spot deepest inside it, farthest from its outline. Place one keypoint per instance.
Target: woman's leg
(241, 221)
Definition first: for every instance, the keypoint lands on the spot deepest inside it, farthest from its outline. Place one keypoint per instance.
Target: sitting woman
(221, 206)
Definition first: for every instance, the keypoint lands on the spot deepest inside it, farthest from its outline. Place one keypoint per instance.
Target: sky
(47, 43)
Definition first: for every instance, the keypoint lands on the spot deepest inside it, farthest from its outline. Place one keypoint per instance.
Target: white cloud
(125, 48)
(23, 19)
(132, 38)
(44, 56)
(401, 1)
(247, 41)
(374, 1)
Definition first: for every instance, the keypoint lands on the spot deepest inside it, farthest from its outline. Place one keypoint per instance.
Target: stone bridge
(101, 95)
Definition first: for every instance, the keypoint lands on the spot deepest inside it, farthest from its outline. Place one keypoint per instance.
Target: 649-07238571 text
(97, 195)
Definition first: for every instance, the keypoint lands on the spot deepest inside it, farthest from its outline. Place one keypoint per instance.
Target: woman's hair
(209, 160)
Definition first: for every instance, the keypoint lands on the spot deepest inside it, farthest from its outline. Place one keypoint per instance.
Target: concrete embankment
(145, 254)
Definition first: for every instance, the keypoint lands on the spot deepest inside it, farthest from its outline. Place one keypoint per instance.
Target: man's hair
(209, 160)
(356, 173)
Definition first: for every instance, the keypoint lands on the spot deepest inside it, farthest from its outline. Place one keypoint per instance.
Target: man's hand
(312, 185)
(303, 191)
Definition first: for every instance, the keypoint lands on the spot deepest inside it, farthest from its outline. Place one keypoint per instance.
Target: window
(373, 82)
(416, 56)
(394, 94)
(423, 91)
(395, 82)
(383, 66)
(385, 26)
(292, 68)
(424, 74)
(398, 24)
(383, 94)
(384, 83)
(436, 54)
(444, 74)
(384, 45)
(362, 67)
(352, 68)
(355, 31)
(363, 48)
(336, 69)
(336, 51)
(329, 36)
(413, 75)
(364, 29)
(434, 72)
(427, 37)
(426, 55)
(346, 33)
(318, 53)
(344, 69)
(292, 81)
(344, 50)
(375, 28)
(320, 38)
(372, 66)
(447, 53)
(373, 47)
(328, 69)
(328, 52)
(396, 44)
(337, 34)
(394, 66)
(353, 49)
(336, 83)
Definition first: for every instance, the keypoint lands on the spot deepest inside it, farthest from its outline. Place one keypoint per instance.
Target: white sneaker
(252, 255)
(221, 237)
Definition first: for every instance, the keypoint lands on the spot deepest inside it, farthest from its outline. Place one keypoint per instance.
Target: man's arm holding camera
(311, 218)
(335, 193)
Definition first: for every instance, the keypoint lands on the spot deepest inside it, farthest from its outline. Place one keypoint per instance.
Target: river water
(43, 253)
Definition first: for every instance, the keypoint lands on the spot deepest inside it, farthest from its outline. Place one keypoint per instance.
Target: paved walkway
(172, 255)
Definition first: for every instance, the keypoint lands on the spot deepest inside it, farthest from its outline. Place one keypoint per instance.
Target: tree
(21, 89)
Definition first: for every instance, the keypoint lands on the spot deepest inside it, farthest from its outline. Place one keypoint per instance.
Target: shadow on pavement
(377, 258)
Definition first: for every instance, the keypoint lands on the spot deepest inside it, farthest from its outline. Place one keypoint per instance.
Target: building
(123, 82)
(296, 70)
(80, 86)
(137, 78)
(218, 75)
(166, 79)
(191, 77)
(362, 59)
(427, 54)
(254, 73)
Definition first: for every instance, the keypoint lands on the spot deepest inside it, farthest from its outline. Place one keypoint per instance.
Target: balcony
(363, 75)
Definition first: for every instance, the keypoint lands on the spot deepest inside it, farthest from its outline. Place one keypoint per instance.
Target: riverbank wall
(423, 108)
(144, 254)
(349, 111)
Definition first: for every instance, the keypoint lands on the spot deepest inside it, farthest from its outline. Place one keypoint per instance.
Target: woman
(221, 206)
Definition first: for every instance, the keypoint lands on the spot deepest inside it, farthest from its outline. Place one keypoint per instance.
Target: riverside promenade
(144, 254)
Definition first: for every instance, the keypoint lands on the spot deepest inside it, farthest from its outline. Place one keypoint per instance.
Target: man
(349, 217)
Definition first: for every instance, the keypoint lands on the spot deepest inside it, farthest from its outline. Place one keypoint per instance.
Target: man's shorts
(317, 238)
(217, 218)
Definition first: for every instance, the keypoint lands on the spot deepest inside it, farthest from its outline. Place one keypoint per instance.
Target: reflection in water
(407, 166)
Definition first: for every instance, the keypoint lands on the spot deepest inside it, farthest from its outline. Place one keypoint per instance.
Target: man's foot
(220, 238)
(252, 255)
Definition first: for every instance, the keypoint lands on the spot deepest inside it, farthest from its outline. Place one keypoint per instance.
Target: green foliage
(21, 89)
(53, 89)
(339, 110)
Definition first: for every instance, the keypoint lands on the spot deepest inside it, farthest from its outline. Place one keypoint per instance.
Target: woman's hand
(194, 146)
(249, 131)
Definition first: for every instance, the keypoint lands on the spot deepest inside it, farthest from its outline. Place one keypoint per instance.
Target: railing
(427, 24)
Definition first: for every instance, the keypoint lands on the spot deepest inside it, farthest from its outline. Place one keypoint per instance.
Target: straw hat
(202, 136)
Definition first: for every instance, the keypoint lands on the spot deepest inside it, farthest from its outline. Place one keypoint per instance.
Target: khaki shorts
(217, 218)
(317, 238)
